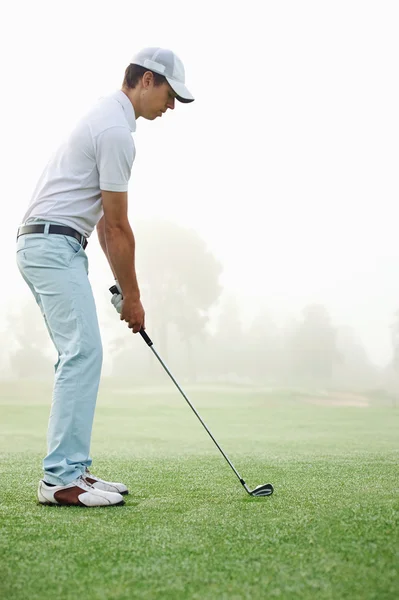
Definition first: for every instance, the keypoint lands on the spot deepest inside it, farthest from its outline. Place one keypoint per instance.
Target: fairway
(188, 530)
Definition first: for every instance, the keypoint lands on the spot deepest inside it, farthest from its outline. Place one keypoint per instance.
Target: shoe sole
(121, 493)
(80, 505)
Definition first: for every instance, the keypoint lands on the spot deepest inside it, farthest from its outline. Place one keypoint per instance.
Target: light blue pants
(55, 267)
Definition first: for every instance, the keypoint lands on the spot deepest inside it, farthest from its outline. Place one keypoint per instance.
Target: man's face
(157, 100)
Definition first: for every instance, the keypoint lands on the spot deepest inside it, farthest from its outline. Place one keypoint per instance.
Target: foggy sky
(286, 163)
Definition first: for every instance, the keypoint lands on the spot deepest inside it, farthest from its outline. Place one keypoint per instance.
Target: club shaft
(197, 414)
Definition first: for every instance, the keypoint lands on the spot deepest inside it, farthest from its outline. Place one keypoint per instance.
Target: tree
(395, 342)
(355, 369)
(179, 282)
(391, 372)
(226, 355)
(31, 343)
(264, 348)
(313, 345)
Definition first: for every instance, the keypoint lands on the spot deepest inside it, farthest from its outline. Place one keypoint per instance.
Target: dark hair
(134, 73)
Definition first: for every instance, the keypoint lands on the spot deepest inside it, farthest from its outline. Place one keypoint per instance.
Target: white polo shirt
(98, 155)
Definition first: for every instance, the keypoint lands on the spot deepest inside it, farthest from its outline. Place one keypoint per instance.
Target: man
(85, 186)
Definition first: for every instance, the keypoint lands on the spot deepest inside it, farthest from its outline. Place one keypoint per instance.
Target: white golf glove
(117, 299)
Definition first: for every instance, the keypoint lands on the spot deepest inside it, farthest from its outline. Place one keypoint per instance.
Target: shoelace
(83, 483)
(90, 474)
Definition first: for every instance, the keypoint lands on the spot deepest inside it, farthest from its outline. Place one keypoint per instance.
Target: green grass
(188, 530)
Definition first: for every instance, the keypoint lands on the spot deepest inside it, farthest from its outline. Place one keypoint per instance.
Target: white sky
(286, 164)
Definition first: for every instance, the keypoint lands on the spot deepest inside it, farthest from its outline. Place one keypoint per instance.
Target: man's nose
(171, 104)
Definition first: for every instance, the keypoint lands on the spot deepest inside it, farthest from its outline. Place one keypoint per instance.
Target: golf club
(261, 490)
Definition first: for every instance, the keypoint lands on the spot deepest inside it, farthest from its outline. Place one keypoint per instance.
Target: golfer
(85, 186)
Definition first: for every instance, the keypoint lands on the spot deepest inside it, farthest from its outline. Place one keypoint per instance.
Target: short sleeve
(115, 154)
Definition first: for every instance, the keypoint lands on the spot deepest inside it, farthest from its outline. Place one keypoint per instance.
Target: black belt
(60, 229)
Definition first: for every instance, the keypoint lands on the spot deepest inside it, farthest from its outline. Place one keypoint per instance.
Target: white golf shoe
(105, 486)
(77, 493)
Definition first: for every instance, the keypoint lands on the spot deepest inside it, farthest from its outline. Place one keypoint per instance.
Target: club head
(262, 490)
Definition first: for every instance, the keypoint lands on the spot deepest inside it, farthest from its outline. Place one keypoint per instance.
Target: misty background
(265, 213)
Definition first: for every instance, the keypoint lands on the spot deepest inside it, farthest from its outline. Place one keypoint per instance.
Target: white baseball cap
(166, 63)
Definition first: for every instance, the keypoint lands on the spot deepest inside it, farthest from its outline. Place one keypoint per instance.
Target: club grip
(146, 338)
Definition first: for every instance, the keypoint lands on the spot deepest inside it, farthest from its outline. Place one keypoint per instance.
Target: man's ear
(147, 79)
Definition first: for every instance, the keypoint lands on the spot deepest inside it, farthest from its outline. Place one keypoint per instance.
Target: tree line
(179, 279)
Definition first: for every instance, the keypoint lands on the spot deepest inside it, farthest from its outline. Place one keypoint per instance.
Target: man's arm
(119, 244)
(117, 241)
(102, 240)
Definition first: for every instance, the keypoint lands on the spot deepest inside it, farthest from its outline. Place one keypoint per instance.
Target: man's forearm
(118, 244)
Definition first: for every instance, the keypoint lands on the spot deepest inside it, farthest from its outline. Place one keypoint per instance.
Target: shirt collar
(127, 107)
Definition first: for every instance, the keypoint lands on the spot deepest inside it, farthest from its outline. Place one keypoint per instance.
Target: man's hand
(133, 313)
(130, 309)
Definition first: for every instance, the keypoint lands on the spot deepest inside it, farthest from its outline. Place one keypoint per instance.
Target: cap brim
(182, 93)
